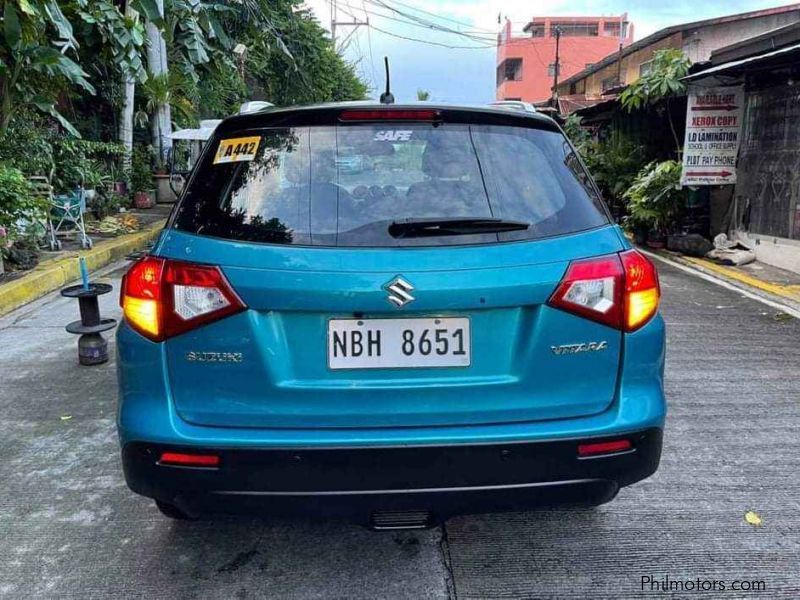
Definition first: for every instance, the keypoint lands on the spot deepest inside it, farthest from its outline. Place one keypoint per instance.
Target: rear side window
(345, 185)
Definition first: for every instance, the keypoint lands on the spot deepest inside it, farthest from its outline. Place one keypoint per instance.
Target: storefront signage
(713, 132)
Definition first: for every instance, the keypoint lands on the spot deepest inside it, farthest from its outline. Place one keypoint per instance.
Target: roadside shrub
(17, 203)
(141, 169)
(614, 163)
(90, 163)
(655, 199)
(19, 212)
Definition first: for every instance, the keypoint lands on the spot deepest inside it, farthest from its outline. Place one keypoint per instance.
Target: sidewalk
(758, 279)
(57, 269)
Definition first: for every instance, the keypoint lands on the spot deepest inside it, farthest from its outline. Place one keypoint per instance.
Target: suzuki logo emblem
(399, 292)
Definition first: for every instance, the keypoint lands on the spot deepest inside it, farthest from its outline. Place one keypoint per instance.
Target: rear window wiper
(406, 228)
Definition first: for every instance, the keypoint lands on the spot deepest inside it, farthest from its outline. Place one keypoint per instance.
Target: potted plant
(142, 179)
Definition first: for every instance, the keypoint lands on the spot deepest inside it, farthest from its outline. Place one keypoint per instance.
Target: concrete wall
(630, 67)
(778, 252)
(698, 44)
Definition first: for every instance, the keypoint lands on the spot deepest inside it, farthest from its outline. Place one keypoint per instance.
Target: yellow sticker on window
(237, 150)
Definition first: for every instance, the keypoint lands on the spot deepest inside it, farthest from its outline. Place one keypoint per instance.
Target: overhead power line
(411, 38)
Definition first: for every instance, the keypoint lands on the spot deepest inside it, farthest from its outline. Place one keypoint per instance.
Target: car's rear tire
(173, 512)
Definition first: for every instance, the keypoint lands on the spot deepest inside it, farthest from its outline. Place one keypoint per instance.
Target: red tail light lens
(598, 448)
(189, 460)
(163, 298)
(390, 115)
(619, 290)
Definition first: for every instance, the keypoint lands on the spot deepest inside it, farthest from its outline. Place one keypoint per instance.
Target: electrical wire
(443, 18)
(413, 39)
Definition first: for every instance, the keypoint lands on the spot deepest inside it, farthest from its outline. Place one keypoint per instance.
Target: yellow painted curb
(53, 274)
(791, 292)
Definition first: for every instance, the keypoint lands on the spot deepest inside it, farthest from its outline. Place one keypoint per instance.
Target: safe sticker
(393, 135)
(237, 150)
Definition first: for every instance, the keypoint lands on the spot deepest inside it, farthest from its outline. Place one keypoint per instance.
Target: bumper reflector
(189, 460)
(598, 448)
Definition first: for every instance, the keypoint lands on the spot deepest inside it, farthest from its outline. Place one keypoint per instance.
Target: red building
(526, 64)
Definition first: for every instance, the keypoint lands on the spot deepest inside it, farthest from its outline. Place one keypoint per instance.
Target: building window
(551, 69)
(509, 70)
(537, 30)
(645, 68)
(609, 83)
(570, 29)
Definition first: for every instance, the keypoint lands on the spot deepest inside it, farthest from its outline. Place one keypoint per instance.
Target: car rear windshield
(347, 185)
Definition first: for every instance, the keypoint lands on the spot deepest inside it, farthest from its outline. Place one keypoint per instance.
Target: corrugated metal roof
(668, 31)
(737, 63)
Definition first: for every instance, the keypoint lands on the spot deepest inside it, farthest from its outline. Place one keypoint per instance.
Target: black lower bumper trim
(357, 482)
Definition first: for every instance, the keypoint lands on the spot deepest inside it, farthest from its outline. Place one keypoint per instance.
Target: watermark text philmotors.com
(651, 583)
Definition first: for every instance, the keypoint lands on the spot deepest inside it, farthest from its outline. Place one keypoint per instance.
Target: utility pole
(556, 68)
(619, 55)
(355, 24)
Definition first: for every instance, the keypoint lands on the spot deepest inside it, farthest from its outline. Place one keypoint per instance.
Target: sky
(467, 75)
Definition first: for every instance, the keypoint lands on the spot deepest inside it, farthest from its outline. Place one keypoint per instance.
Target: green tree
(36, 40)
(298, 63)
(662, 82)
(423, 95)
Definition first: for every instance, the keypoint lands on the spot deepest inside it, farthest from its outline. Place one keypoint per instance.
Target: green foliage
(655, 200)
(27, 144)
(18, 206)
(141, 169)
(121, 38)
(80, 162)
(576, 133)
(423, 95)
(35, 68)
(664, 80)
(614, 163)
(107, 203)
(303, 68)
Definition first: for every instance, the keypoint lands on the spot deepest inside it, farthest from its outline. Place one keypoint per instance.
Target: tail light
(619, 290)
(162, 298)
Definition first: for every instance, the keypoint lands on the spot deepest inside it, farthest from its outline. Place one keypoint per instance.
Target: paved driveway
(70, 528)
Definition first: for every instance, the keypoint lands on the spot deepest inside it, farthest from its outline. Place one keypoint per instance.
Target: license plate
(398, 343)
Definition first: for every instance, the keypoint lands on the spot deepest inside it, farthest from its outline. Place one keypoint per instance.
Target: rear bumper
(358, 482)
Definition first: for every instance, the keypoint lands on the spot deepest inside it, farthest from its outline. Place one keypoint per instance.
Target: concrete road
(70, 528)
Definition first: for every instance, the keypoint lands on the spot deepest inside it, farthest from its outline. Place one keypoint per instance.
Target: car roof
(328, 114)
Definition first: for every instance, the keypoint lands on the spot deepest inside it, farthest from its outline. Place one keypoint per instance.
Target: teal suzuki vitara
(390, 313)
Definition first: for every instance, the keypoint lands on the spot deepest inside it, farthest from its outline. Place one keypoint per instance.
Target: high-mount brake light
(618, 290)
(162, 298)
(391, 114)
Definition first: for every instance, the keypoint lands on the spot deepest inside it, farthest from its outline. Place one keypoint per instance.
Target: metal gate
(768, 180)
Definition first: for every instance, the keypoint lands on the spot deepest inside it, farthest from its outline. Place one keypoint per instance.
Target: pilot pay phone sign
(713, 133)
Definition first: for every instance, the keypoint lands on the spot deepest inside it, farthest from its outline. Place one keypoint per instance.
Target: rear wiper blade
(457, 226)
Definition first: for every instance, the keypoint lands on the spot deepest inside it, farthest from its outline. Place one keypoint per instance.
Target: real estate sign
(713, 130)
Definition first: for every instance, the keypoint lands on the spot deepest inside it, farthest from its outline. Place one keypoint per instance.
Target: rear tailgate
(269, 366)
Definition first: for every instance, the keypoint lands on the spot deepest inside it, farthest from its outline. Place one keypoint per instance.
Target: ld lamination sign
(713, 132)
